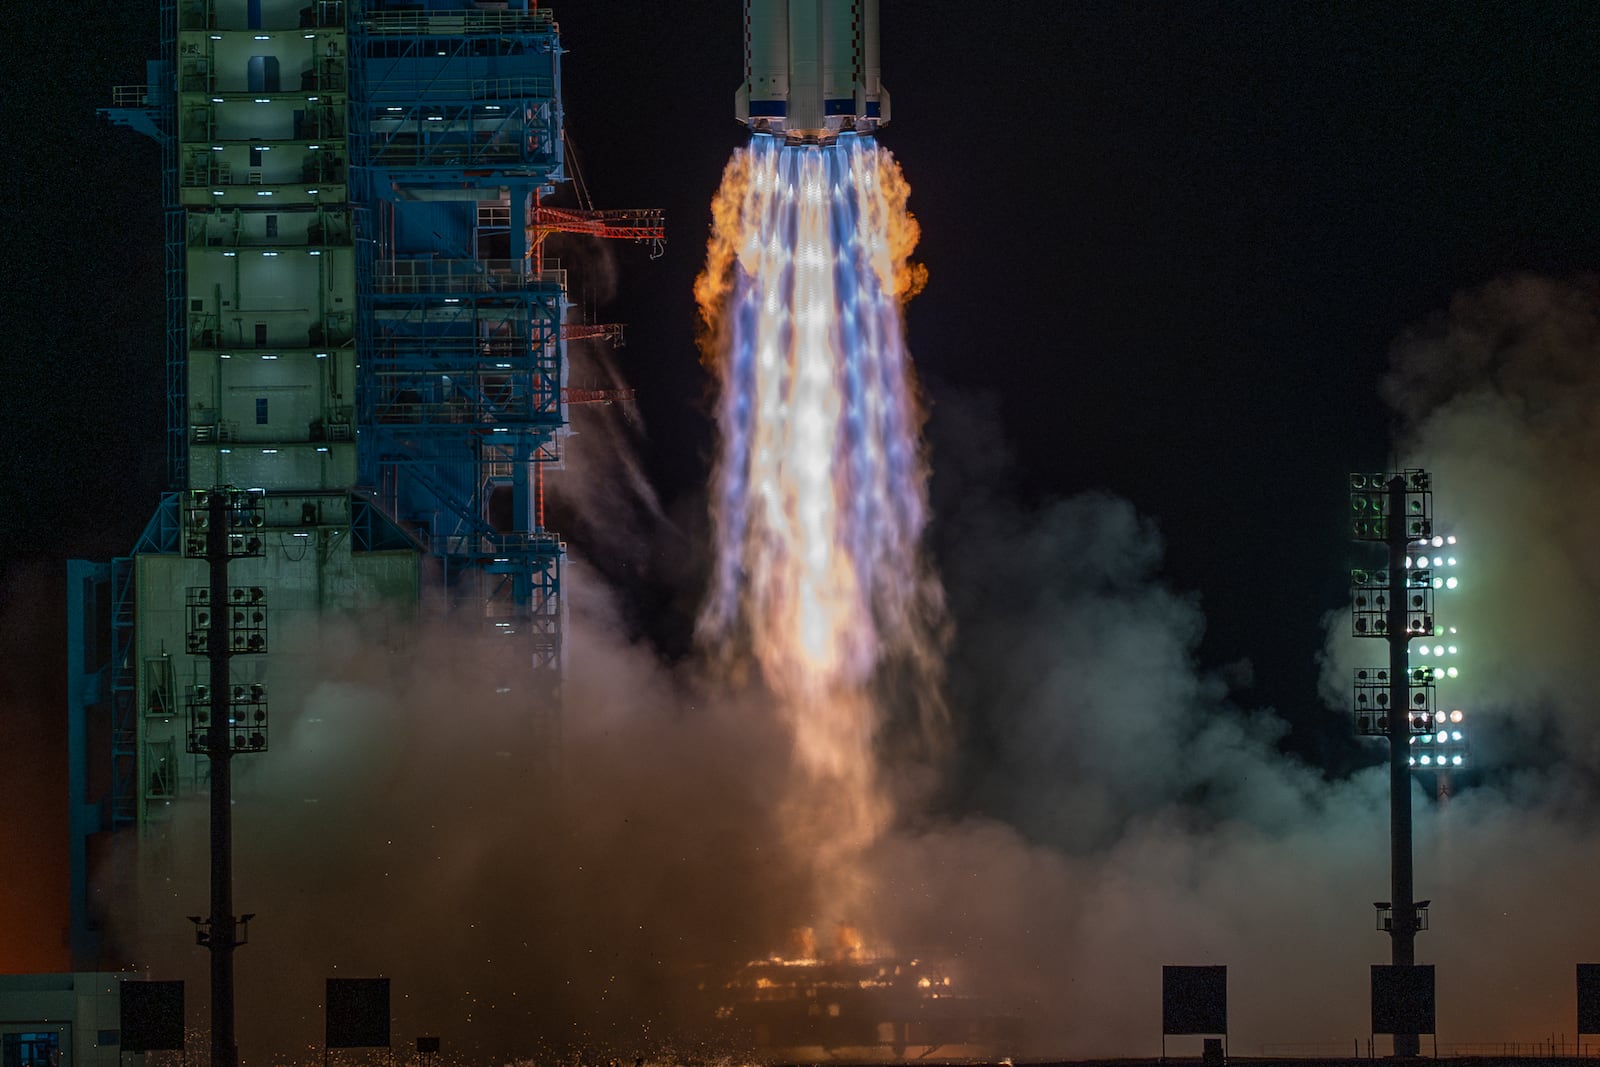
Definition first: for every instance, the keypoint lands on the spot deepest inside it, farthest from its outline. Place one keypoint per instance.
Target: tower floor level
(358, 323)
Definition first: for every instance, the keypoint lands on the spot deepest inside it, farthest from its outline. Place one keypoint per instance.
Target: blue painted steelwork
(373, 531)
(101, 684)
(154, 113)
(177, 320)
(160, 536)
(455, 129)
(88, 676)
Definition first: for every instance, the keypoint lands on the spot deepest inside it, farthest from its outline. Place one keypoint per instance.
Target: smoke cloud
(1498, 397)
(1108, 808)
(1117, 811)
(404, 824)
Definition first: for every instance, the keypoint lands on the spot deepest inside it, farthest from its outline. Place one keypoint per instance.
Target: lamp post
(1396, 702)
(221, 525)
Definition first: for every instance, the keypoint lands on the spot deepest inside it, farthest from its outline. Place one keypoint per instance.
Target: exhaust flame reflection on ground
(820, 491)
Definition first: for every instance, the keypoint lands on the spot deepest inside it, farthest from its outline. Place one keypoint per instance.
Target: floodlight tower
(1397, 702)
(221, 525)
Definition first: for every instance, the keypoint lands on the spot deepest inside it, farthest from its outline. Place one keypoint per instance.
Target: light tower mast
(222, 525)
(1396, 702)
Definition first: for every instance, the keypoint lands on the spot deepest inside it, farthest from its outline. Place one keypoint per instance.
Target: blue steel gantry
(456, 132)
(361, 322)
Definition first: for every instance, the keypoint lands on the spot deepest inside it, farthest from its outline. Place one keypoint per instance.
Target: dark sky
(1171, 244)
(1169, 247)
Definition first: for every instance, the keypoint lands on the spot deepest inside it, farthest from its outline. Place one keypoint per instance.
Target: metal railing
(216, 430)
(1553, 1048)
(542, 544)
(456, 22)
(526, 87)
(131, 96)
(463, 412)
(463, 276)
(317, 14)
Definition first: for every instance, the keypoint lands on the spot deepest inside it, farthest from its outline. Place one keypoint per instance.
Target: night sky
(1170, 247)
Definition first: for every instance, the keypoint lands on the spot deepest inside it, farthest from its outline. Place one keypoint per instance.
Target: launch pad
(857, 1010)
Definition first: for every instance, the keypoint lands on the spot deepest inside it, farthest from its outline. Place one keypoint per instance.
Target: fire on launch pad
(820, 500)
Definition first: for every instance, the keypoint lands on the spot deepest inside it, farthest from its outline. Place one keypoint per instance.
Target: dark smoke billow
(401, 826)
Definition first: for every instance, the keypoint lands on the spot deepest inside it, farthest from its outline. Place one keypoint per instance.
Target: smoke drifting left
(398, 827)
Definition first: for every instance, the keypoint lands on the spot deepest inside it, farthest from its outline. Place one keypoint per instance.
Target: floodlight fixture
(1374, 694)
(237, 509)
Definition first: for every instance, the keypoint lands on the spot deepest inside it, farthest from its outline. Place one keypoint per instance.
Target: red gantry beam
(643, 224)
(610, 332)
(596, 396)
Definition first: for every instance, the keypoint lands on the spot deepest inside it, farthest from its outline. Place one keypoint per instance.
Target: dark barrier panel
(152, 1016)
(1402, 999)
(358, 1013)
(1589, 998)
(1194, 1000)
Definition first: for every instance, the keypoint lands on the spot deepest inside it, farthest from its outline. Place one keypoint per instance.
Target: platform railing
(406, 23)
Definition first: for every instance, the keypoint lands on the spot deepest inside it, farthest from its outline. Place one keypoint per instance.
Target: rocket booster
(811, 69)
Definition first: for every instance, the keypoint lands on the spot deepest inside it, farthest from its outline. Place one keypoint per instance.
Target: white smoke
(1126, 814)
(1498, 397)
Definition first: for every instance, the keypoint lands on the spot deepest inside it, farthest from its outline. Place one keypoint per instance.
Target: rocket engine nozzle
(811, 70)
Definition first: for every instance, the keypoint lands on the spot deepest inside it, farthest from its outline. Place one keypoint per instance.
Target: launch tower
(360, 322)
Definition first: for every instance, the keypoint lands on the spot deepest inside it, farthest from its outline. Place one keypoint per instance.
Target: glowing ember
(820, 491)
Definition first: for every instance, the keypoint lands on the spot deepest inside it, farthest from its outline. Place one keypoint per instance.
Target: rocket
(811, 70)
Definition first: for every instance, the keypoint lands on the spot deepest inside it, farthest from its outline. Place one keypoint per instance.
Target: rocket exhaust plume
(820, 489)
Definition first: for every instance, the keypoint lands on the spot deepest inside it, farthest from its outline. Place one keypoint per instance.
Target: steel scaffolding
(459, 319)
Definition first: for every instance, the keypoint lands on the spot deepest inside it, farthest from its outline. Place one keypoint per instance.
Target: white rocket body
(811, 69)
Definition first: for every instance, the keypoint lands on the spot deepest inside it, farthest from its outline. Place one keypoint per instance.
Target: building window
(255, 157)
(272, 225)
(261, 411)
(261, 335)
(31, 1050)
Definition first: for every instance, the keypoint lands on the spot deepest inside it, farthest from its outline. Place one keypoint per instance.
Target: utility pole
(224, 524)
